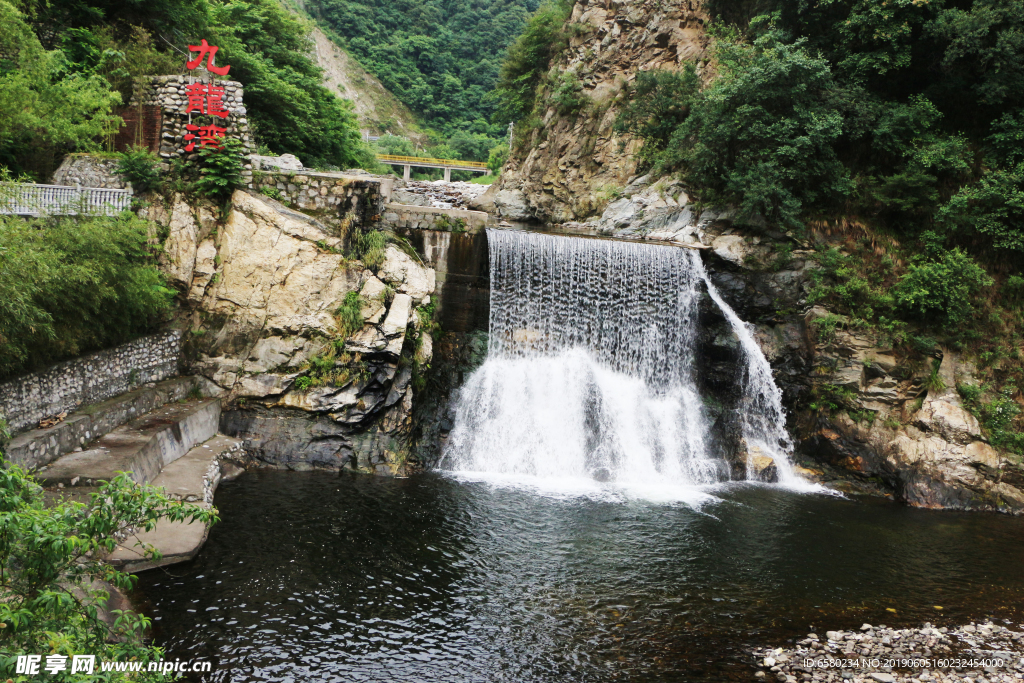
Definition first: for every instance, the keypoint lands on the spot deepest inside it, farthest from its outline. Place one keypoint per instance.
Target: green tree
(69, 286)
(45, 110)
(763, 134)
(51, 571)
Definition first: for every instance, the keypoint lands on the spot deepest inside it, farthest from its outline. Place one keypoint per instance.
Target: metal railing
(395, 159)
(29, 199)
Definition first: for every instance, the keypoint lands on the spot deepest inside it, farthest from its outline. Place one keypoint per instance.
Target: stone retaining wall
(355, 199)
(431, 218)
(88, 379)
(89, 171)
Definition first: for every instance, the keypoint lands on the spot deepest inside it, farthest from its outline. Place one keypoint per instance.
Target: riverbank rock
(263, 290)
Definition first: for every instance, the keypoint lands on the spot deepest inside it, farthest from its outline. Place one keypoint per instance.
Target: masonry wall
(340, 200)
(89, 171)
(169, 94)
(94, 377)
(407, 216)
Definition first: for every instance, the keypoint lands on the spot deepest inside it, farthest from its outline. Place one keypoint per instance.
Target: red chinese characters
(208, 136)
(206, 99)
(208, 51)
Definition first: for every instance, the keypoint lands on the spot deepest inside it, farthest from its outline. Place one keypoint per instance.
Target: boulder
(732, 248)
(285, 162)
(511, 204)
(950, 421)
(407, 276)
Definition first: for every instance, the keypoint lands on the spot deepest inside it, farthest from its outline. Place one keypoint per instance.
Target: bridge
(30, 199)
(448, 165)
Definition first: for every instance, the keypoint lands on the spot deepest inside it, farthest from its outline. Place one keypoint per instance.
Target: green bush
(69, 286)
(941, 290)
(497, 157)
(657, 103)
(138, 166)
(50, 555)
(220, 169)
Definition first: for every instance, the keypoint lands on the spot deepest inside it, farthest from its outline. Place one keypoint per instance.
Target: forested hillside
(440, 57)
(65, 67)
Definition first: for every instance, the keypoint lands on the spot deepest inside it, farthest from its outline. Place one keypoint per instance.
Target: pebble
(928, 650)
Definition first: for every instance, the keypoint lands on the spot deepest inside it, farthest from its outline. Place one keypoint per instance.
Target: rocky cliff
(573, 163)
(264, 295)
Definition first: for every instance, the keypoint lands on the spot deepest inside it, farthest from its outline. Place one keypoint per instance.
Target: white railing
(28, 199)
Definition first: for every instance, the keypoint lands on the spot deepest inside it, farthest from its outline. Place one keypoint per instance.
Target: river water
(325, 577)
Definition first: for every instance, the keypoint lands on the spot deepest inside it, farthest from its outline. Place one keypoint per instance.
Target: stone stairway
(174, 446)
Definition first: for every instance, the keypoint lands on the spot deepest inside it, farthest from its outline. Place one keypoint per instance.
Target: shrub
(497, 157)
(69, 286)
(220, 169)
(50, 556)
(941, 290)
(138, 166)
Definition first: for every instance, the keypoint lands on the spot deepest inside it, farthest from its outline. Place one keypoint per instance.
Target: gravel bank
(975, 653)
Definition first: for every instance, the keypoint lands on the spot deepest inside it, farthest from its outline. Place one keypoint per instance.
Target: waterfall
(590, 369)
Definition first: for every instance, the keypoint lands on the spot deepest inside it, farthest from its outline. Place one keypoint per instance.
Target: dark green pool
(321, 577)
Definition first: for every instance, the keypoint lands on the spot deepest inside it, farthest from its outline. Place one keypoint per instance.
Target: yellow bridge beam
(425, 162)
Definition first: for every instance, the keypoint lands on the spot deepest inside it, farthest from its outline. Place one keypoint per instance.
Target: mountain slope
(377, 109)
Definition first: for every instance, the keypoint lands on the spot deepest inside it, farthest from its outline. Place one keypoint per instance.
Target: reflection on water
(320, 577)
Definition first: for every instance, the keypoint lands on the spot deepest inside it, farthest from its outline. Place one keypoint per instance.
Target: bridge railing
(30, 199)
(396, 159)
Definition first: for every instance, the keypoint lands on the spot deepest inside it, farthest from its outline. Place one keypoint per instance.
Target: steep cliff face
(575, 162)
(262, 292)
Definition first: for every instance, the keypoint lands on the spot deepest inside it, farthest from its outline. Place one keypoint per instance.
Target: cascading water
(590, 368)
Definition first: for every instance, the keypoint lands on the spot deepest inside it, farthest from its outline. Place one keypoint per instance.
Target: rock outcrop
(262, 293)
(575, 162)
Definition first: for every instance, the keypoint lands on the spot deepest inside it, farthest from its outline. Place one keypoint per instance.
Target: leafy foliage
(69, 286)
(49, 565)
(220, 169)
(657, 103)
(105, 46)
(46, 109)
(439, 58)
(942, 288)
(138, 166)
(527, 61)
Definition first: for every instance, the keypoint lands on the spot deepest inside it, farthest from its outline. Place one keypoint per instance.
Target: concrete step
(194, 478)
(142, 447)
(39, 447)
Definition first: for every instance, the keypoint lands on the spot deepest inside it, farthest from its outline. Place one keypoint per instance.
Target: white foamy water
(589, 385)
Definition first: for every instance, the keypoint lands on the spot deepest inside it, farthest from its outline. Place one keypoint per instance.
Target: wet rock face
(262, 292)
